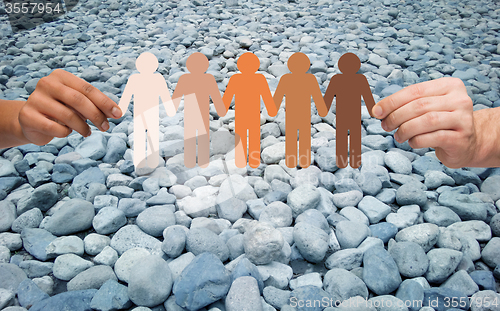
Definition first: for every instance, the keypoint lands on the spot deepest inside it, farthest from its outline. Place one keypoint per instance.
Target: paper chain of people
(247, 88)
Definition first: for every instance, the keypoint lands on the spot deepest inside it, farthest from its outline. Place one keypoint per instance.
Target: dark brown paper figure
(247, 88)
(349, 87)
(298, 87)
(197, 87)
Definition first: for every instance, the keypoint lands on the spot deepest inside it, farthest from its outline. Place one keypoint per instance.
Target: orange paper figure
(197, 87)
(349, 87)
(248, 87)
(147, 87)
(298, 87)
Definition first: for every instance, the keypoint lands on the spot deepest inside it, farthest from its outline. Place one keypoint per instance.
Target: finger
(427, 123)
(80, 103)
(440, 138)
(101, 101)
(429, 88)
(68, 116)
(42, 126)
(415, 109)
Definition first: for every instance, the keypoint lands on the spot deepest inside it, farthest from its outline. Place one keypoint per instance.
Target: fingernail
(116, 112)
(377, 111)
(384, 126)
(105, 125)
(396, 137)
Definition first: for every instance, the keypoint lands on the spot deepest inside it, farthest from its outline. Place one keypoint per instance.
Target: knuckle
(78, 98)
(431, 118)
(87, 88)
(422, 105)
(97, 118)
(416, 90)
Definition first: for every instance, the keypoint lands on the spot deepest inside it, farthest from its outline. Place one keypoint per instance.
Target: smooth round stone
(380, 272)
(278, 214)
(108, 256)
(315, 218)
(441, 216)
(29, 219)
(349, 198)
(276, 297)
(150, 281)
(495, 225)
(11, 276)
(174, 241)
(200, 240)
(491, 186)
(68, 266)
(442, 263)
(462, 282)
(92, 278)
(398, 163)
(9, 214)
(426, 235)
(132, 236)
(108, 220)
(311, 241)
(485, 295)
(243, 295)
(65, 245)
(374, 209)
(350, 234)
(73, 216)
(155, 219)
(410, 259)
(127, 260)
(203, 281)
(263, 243)
(355, 215)
(475, 228)
(303, 198)
(384, 231)
(491, 253)
(347, 259)
(94, 243)
(435, 179)
(411, 193)
(342, 285)
(411, 293)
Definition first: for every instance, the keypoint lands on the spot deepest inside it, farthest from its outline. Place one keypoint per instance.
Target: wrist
(487, 136)
(10, 127)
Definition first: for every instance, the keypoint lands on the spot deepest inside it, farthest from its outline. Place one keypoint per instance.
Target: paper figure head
(298, 63)
(248, 63)
(349, 63)
(146, 63)
(197, 63)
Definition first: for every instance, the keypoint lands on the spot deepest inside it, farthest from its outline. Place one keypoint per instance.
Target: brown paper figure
(298, 87)
(197, 87)
(147, 87)
(349, 87)
(248, 87)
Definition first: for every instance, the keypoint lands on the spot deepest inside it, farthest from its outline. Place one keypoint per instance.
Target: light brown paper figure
(197, 87)
(147, 87)
(248, 87)
(298, 87)
(349, 87)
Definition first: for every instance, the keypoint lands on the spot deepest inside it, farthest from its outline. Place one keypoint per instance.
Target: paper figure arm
(217, 99)
(318, 98)
(367, 96)
(279, 93)
(331, 92)
(267, 97)
(227, 98)
(127, 95)
(165, 97)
